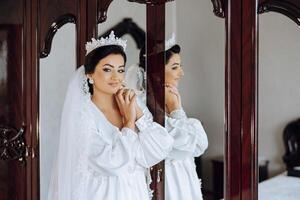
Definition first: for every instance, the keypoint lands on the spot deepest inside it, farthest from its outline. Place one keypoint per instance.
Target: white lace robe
(117, 160)
(190, 140)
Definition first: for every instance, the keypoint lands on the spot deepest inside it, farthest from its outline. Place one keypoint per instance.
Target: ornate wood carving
(102, 10)
(12, 144)
(218, 8)
(288, 8)
(57, 24)
(52, 15)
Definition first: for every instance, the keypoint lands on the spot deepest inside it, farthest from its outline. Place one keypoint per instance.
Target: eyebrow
(113, 66)
(175, 64)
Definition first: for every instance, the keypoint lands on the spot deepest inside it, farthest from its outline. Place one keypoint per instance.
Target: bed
(280, 187)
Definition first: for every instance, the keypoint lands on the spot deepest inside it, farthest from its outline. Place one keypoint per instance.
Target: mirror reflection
(194, 101)
(279, 108)
(55, 72)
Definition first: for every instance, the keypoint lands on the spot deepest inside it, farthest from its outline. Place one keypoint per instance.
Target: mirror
(128, 21)
(278, 108)
(200, 79)
(55, 73)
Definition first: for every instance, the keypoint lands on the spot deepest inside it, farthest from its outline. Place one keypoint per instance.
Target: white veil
(67, 179)
(135, 78)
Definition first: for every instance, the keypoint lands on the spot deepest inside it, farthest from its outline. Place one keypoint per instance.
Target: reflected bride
(107, 138)
(190, 140)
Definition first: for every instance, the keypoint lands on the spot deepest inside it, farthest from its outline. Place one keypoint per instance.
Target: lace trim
(149, 181)
(178, 114)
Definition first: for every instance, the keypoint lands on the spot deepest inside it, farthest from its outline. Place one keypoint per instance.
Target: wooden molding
(218, 8)
(102, 10)
(287, 8)
(57, 24)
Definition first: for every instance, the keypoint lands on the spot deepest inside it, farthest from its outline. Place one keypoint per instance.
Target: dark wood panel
(241, 69)
(249, 103)
(155, 81)
(32, 93)
(13, 172)
(10, 12)
(233, 145)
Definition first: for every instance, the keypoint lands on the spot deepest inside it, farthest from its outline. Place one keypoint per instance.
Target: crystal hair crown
(110, 40)
(170, 42)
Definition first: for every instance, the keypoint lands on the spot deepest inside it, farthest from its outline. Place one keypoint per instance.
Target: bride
(190, 140)
(107, 138)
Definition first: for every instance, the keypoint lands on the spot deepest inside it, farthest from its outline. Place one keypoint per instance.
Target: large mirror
(194, 98)
(194, 80)
(278, 108)
(55, 72)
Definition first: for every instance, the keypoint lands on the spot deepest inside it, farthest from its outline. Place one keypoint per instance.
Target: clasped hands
(129, 109)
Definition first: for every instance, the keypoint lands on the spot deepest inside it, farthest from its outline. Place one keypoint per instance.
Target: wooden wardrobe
(27, 28)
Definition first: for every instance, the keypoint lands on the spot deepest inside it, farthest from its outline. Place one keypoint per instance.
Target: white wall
(279, 80)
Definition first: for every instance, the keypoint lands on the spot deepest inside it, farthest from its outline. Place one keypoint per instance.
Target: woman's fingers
(174, 92)
(120, 97)
(133, 100)
(126, 96)
(132, 93)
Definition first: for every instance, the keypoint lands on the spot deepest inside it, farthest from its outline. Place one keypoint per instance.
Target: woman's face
(173, 70)
(109, 74)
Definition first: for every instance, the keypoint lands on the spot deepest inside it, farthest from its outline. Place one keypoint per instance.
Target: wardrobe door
(279, 100)
(13, 102)
(62, 32)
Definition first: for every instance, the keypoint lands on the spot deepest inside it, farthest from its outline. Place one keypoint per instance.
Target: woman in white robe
(190, 140)
(107, 139)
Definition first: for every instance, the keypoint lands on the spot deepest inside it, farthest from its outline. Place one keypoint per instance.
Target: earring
(91, 81)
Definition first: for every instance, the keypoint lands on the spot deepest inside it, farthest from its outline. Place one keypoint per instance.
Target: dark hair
(173, 50)
(168, 53)
(93, 58)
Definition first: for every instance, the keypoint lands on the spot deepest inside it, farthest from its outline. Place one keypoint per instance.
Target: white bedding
(280, 187)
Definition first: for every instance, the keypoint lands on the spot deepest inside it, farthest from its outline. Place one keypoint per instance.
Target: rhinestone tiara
(170, 42)
(110, 40)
